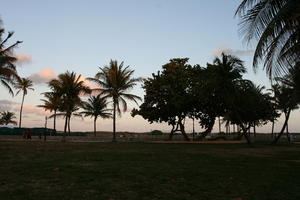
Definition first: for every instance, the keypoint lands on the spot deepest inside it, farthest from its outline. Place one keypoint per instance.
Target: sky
(83, 35)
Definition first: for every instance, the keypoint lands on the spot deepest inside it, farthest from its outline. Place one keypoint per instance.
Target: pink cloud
(28, 110)
(23, 58)
(43, 76)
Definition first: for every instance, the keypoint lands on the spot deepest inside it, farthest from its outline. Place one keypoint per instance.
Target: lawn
(142, 171)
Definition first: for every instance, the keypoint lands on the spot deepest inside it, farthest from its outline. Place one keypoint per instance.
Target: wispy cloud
(23, 58)
(6, 105)
(236, 52)
(43, 76)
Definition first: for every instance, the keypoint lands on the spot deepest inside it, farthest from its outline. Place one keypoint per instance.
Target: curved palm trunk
(114, 123)
(287, 116)
(95, 119)
(21, 110)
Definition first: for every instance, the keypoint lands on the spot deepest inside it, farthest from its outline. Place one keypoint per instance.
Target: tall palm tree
(7, 117)
(23, 85)
(96, 106)
(52, 103)
(115, 80)
(8, 72)
(223, 74)
(276, 26)
(69, 87)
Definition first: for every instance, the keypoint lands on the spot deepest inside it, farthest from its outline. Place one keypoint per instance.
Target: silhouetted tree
(115, 81)
(52, 102)
(69, 87)
(250, 107)
(8, 72)
(7, 117)
(23, 85)
(276, 25)
(166, 96)
(96, 106)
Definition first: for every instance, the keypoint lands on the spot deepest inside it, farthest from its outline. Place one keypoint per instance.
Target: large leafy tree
(276, 26)
(115, 81)
(23, 85)
(211, 88)
(166, 96)
(250, 106)
(8, 72)
(69, 87)
(52, 102)
(96, 106)
(7, 117)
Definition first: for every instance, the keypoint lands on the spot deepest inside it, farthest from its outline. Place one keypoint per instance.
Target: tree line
(180, 90)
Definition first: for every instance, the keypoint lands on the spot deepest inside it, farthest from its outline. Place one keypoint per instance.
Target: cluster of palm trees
(64, 99)
(275, 24)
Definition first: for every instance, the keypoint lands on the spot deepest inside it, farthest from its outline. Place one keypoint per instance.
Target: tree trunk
(287, 116)
(69, 129)
(21, 109)
(245, 133)
(95, 119)
(45, 132)
(254, 130)
(172, 132)
(114, 122)
(54, 122)
(183, 131)
(193, 129)
(209, 129)
(65, 129)
(219, 124)
(272, 131)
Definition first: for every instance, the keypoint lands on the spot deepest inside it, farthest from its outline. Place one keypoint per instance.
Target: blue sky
(83, 35)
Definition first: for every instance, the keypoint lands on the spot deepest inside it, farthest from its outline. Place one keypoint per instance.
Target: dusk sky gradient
(81, 36)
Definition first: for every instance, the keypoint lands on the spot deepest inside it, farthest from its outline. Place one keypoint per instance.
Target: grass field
(140, 171)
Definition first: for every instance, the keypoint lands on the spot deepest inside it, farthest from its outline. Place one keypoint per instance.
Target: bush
(156, 132)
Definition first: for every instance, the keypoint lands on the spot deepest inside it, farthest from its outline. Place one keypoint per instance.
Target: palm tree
(7, 118)
(69, 87)
(8, 72)
(23, 85)
(224, 73)
(276, 26)
(114, 81)
(287, 95)
(51, 102)
(96, 107)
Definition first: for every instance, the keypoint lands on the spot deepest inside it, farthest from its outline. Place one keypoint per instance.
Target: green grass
(141, 171)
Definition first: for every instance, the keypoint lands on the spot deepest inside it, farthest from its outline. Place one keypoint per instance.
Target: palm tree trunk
(272, 131)
(65, 129)
(114, 123)
(21, 109)
(54, 121)
(287, 116)
(219, 124)
(95, 119)
(69, 129)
